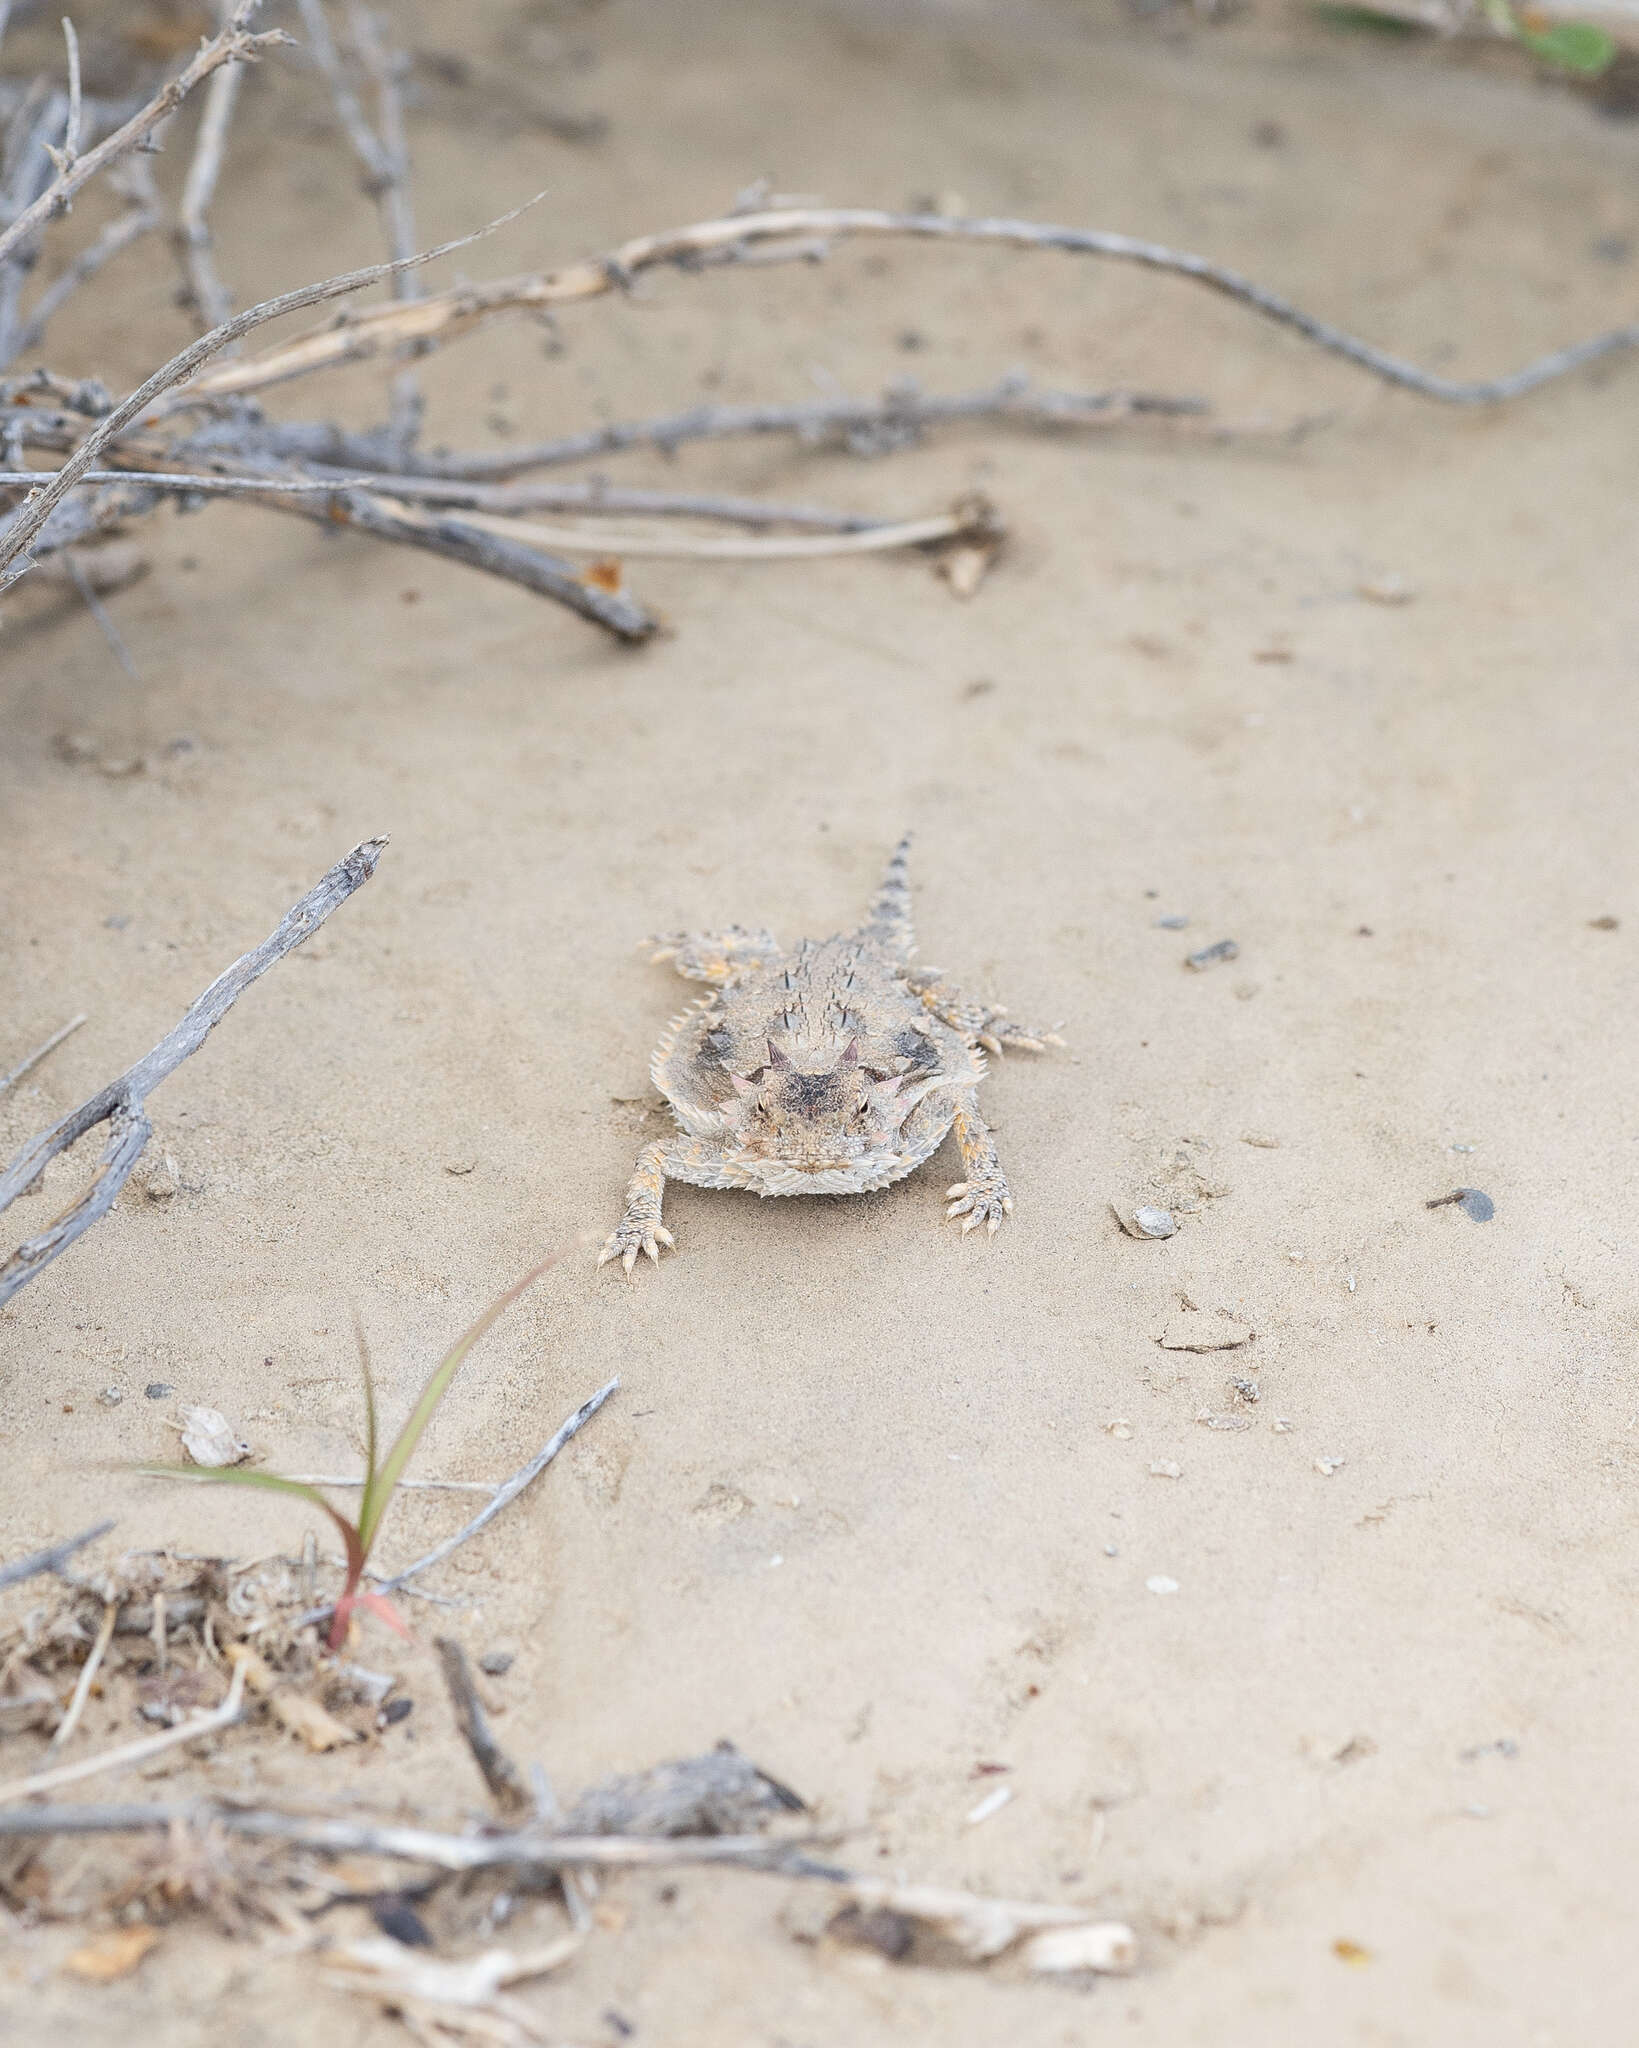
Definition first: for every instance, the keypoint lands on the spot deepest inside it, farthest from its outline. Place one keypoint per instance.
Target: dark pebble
(395, 1711)
(394, 1915)
(159, 1390)
(496, 1663)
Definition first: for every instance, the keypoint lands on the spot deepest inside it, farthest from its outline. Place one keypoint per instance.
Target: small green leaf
(1571, 46)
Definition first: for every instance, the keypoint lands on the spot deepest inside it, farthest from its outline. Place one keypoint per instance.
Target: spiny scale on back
(829, 1070)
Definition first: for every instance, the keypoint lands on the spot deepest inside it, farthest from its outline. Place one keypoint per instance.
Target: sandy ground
(859, 1505)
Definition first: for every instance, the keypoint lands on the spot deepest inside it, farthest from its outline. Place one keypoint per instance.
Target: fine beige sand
(860, 1504)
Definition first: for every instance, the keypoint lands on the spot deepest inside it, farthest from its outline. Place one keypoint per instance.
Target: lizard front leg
(984, 1197)
(718, 957)
(985, 1024)
(640, 1229)
(680, 1158)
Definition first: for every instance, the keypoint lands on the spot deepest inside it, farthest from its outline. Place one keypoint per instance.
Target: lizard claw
(636, 1234)
(985, 1202)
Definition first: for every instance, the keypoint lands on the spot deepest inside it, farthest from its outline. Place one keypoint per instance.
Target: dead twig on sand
(500, 1774)
(126, 1754)
(53, 1557)
(443, 317)
(865, 426)
(520, 1849)
(33, 513)
(30, 1061)
(506, 1493)
(906, 533)
(123, 1103)
(88, 1676)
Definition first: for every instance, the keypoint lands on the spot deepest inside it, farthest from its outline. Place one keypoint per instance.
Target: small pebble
(1327, 1466)
(1208, 1420)
(1111, 1550)
(1213, 956)
(1387, 588)
(1161, 1584)
(1120, 1427)
(1166, 1468)
(1604, 924)
(394, 1712)
(1479, 1206)
(1281, 1424)
(111, 1397)
(158, 1390)
(1155, 1222)
(496, 1663)
(1261, 1139)
(1175, 921)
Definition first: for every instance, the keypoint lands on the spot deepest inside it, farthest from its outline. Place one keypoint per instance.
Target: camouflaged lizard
(832, 1069)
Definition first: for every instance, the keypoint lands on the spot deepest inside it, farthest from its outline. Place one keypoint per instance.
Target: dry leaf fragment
(208, 1438)
(111, 1955)
(294, 1711)
(315, 1725)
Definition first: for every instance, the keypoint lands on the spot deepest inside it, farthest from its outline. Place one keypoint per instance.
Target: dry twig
(443, 317)
(506, 1493)
(122, 1104)
(500, 1774)
(30, 1061)
(384, 158)
(126, 1754)
(53, 1557)
(193, 234)
(88, 1676)
(33, 513)
(519, 1849)
(233, 45)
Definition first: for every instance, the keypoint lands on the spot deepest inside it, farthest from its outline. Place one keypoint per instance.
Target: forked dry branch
(122, 1105)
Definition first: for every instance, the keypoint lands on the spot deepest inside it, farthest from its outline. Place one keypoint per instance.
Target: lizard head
(840, 1118)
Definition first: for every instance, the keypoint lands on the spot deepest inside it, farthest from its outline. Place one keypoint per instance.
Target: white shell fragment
(208, 1438)
(1327, 1466)
(1166, 1468)
(1144, 1220)
(1105, 1945)
(1161, 1584)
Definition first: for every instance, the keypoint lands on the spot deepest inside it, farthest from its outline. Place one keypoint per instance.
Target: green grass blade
(265, 1482)
(370, 1443)
(404, 1445)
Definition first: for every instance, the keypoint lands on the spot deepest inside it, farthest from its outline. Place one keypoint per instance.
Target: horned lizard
(829, 1070)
